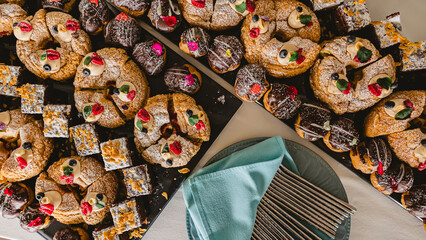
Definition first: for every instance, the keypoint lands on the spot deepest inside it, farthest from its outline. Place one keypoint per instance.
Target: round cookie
(410, 147)
(14, 198)
(58, 5)
(123, 31)
(282, 101)
(398, 178)
(182, 78)
(414, 200)
(251, 83)
(343, 135)
(225, 54)
(135, 8)
(94, 15)
(195, 41)
(71, 233)
(32, 219)
(372, 155)
(10, 14)
(166, 16)
(313, 121)
(11, 122)
(150, 55)
(216, 15)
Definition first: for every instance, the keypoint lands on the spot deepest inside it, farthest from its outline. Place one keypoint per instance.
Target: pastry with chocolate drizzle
(150, 55)
(58, 5)
(313, 121)
(282, 101)
(94, 15)
(398, 178)
(410, 147)
(372, 155)
(195, 41)
(251, 83)
(165, 15)
(134, 8)
(123, 31)
(182, 78)
(343, 135)
(71, 233)
(14, 198)
(32, 219)
(414, 200)
(225, 54)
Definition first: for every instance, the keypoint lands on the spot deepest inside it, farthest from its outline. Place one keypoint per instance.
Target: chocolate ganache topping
(180, 78)
(197, 39)
(378, 152)
(284, 103)
(132, 5)
(123, 31)
(398, 178)
(415, 201)
(226, 52)
(66, 234)
(93, 15)
(251, 82)
(13, 198)
(151, 56)
(343, 134)
(314, 120)
(165, 15)
(54, 4)
(32, 219)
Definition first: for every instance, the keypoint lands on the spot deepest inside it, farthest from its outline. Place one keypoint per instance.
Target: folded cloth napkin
(222, 198)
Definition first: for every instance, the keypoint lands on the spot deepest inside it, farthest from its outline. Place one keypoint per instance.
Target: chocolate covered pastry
(195, 41)
(32, 219)
(313, 121)
(343, 135)
(282, 101)
(14, 198)
(165, 15)
(414, 200)
(372, 155)
(183, 78)
(135, 8)
(71, 233)
(251, 82)
(151, 56)
(398, 178)
(123, 31)
(58, 5)
(225, 54)
(94, 15)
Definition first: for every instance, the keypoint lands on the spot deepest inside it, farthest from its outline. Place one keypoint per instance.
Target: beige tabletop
(378, 217)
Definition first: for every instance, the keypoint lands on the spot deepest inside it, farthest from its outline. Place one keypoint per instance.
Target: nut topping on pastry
(299, 18)
(22, 30)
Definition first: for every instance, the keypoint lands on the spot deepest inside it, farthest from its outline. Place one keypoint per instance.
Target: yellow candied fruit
(165, 195)
(137, 233)
(184, 170)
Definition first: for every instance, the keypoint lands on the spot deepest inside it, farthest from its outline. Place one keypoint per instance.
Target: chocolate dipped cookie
(225, 54)
(94, 15)
(372, 155)
(343, 135)
(165, 15)
(123, 31)
(313, 121)
(183, 78)
(398, 178)
(195, 41)
(150, 55)
(414, 200)
(282, 101)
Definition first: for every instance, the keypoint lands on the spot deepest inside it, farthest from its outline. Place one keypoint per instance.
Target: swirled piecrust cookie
(30, 158)
(10, 14)
(394, 113)
(110, 88)
(414, 200)
(14, 198)
(225, 54)
(182, 78)
(372, 155)
(11, 122)
(123, 31)
(150, 55)
(195, 41)
(410, 147)
(37, 31)
(135, 8)
(313, 121)
(165, 15)
(58, 5)
(282, 101)
(292, 21)
(398, 178)
(251, 82)
(94, 15)
(343, 135)
(32, 219)
(216, 15)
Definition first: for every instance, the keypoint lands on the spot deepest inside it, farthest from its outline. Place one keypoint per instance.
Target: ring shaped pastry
(410, 147)
(37, 31)
(170, 129)
(294, 23)
(9, 14)
(30, 156)
(394, 113)
(110, 87)
(331, 85)
(216, 15)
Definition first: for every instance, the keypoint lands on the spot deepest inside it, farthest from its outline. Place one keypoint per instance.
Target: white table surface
(378, 217)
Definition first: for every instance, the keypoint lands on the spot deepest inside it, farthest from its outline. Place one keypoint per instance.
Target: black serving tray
(219, 104)
(407, 81)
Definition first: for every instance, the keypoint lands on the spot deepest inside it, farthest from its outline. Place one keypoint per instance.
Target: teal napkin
(222, 198)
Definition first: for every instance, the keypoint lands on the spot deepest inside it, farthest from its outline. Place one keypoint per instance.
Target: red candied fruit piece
(175, 148)
(35, 223)
(300, 57)
(131, 95)
(25, 27)
(291, 92)
(310, 24)
(8, 191)
(52, 55)
(72, 26)
(409, 104)
(122, 17)
(254, 32)
(144, 115)
(96, 59)
(380, 168)
(94, 1)
(200, 125)
(251, 5)
(375, 89)
(255, 89)
(394, 184)
(97, 109)
(199, 3)
(347, 89)
(170, 21)
(68, 179)
(47, 209)
(86, 208)
(21, 162)
(422, 166)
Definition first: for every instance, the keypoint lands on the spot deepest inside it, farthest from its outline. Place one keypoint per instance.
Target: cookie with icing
(398, 178)
(165, 15)
(94, 15)
(372, 155)
(183, 78)
(282, 101)
(123, 31)
(343, 135)
(313, 121)
(225, 53)
(195, 41)
(150, 55)
(251, 82)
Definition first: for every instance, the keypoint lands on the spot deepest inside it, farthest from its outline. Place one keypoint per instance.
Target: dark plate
(407, 81)
(219, 104)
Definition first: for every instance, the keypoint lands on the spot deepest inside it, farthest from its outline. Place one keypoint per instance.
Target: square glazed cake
(10, 76)
(128, 214)
(318, 5)
(32, 98)
(55, 118)
(413, 56)
(109, 233)
(388, 30)
(137, 180)
(352, 16)
(85, 139)
(116, 154)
